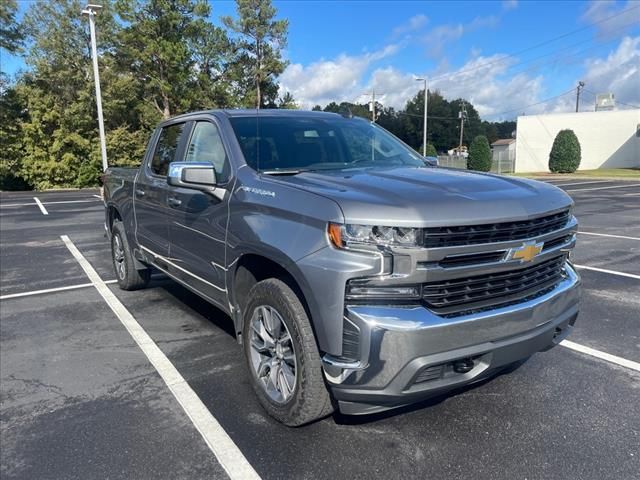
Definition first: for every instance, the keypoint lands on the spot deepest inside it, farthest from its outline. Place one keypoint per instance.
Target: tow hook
(463, 365)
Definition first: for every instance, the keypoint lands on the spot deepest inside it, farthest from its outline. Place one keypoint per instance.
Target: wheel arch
(112, 214)
(251, 268)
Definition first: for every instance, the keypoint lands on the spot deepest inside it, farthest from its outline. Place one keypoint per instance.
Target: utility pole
(91, 11)
(373, 106)
(462, 114)
(424, 127)
(578, 90)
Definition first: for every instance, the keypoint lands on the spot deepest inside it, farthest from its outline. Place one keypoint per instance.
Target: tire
(128, 277)
(308, 400)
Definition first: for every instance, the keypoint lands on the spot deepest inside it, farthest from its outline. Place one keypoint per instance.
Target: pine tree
(258, 59)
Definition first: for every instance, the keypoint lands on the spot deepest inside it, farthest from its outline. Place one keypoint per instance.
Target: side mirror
(431, 161)
(194, 175)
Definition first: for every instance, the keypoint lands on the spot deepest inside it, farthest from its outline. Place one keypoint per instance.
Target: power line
(468, 81)
(546, 42)
(534, 104)
(430, 116)
(617, 101)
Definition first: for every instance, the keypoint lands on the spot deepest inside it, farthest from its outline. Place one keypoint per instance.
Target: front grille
(456, 297)
(494, 232)
(472, 259)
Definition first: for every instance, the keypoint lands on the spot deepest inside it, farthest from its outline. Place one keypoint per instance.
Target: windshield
(273, 144)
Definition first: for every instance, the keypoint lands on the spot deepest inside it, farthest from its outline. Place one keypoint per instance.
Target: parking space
(80, 398)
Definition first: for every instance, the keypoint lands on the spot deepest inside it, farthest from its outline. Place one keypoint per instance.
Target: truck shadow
(223, 322)
(201, 307)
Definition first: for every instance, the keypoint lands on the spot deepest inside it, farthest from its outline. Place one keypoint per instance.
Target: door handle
(139, 192)
(174, 202)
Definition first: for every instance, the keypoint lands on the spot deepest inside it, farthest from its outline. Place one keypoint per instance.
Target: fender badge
(257, 191)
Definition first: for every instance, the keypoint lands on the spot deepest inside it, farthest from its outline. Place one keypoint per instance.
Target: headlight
(343, 236)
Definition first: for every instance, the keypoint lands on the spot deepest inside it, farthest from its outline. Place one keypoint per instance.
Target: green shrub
(479, 155)
(565, 153)
(431, 150)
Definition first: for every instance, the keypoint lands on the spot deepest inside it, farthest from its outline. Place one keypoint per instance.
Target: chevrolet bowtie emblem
(525, 253)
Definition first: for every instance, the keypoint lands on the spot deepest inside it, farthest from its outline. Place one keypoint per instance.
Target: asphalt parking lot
(81, 400)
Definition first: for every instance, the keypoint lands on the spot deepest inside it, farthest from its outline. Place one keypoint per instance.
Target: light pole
(424, 128)
(91, 10)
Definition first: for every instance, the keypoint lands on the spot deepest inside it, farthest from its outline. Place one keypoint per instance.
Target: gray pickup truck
(357, 275)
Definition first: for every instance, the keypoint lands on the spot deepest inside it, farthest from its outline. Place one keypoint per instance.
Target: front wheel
(128, 277)
(282, 355)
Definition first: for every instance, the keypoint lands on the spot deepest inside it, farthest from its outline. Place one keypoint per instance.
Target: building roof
(503, 141)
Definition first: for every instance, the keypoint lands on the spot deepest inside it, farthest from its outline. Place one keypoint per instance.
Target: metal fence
(452, 161)
(503, 161)
(499, 164)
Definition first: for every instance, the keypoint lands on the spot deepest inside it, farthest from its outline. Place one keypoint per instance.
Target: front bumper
(407, 353)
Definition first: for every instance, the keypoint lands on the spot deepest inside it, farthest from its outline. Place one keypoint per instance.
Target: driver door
(198, 220)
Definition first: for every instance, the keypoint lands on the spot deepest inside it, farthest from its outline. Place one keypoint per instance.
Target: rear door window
(166, 149)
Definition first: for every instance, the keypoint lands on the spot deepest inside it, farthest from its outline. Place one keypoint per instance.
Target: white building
(608, 139)
(504, 149)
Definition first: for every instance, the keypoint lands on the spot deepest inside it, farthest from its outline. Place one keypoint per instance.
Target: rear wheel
(282, 355)
(128, 277)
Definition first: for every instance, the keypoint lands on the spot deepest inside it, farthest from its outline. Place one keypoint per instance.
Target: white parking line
(50, 290)
(42, 209)
(609, 235)
(70, 201)
(226, 452)
(46, 203)
(623, 362)
(581, 183)
(604, 270)
(602, 188)
(3, 205)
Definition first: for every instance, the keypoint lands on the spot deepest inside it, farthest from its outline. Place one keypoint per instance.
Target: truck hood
(424, 197)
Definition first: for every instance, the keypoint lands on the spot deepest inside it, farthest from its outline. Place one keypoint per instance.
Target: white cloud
(609, 17)
(414, 23)
(480, 81)
(509, 4)
(487, 81)
(441, 35)
(619, 73)
(325, 81)
(483, 81)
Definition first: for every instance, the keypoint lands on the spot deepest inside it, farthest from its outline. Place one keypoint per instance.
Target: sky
(506, 57)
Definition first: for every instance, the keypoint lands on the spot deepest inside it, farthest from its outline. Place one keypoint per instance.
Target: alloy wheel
(118, 257)
(272, 354)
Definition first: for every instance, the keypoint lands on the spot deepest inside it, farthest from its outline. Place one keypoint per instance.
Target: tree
(345, 108)
(479, 154)
(59, 135)
(258, 59)
(161, 45)
(12, 114)
(11, 32)
(287, 102)
(565, 153)
(431, 150)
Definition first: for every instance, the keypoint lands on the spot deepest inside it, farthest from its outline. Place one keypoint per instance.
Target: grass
(631, 173)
